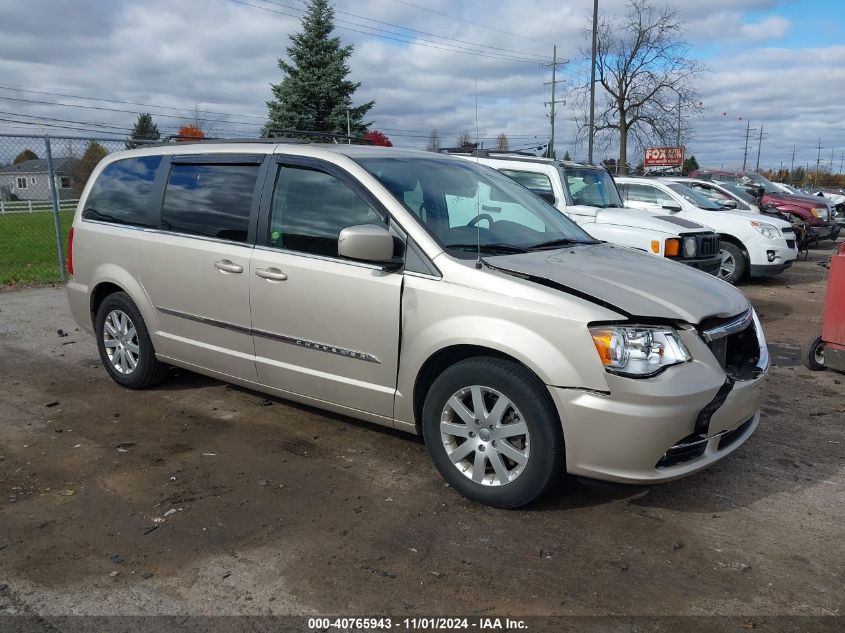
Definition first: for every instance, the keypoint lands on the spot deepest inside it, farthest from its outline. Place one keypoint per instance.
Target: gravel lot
(198, 497)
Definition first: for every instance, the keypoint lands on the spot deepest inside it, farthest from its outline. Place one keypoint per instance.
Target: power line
(484, 26)
(145, 105)
(443, 37)
(415, 42)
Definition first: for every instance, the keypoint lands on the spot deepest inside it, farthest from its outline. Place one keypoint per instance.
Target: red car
(816, 211)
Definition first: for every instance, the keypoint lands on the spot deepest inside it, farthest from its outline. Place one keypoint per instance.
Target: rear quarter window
(121, 193)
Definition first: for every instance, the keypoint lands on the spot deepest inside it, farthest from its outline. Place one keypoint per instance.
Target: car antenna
(477, 187)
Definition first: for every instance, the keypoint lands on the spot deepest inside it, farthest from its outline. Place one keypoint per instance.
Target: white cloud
(772, 27)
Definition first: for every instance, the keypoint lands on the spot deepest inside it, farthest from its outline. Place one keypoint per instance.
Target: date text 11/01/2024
(416, 624)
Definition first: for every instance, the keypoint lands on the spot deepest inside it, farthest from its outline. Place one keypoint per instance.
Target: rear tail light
(70, 252)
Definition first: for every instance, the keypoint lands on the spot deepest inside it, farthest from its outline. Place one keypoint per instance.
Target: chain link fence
(41, 179)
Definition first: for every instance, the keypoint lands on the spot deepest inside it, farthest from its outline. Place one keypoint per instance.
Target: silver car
(421, 292)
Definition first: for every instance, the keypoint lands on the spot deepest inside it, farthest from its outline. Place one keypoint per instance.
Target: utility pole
(818, 162)
(792, 167)
(830, 169)
(348, 128)
(593, 84)
(550, 151)
(759, 145)
(747, 136)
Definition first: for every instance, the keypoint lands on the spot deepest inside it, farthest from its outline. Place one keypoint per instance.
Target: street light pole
(678, 143)
(593, 85)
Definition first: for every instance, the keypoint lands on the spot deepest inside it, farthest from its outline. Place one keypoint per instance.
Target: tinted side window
(536, 182)
(209, 200)
(310, 208)
(647, 193)
(121, 193)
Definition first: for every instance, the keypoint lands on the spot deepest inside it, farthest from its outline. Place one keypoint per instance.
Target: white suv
(588, 196)
(422, 293)
(752, 244)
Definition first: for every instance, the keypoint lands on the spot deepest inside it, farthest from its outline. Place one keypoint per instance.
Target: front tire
(124, 343)
(493, 432)
(733, 263)
(812, 354)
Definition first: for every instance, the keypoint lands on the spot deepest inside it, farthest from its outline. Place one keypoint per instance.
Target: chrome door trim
(282, 338)
(205, 320)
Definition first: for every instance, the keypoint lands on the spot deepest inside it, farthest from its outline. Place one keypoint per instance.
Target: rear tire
(733, 265)
(124, 343)
(812, 354)
(511, 453)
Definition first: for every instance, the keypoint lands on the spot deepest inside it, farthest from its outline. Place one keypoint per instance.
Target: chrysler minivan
(421, 292)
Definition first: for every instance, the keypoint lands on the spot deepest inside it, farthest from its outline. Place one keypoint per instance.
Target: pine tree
(566, 155)
(144, 130)
(315, 94)
(94, 153)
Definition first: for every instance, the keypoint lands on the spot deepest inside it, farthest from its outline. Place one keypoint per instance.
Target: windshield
(759, 181)
(739, 192)
(699, 200)
(461, 204)
(591, 187)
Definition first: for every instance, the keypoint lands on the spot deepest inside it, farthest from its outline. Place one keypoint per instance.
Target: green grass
(28, 247)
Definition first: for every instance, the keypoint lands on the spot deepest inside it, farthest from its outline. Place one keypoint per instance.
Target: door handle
(273, 274)
(227, 266)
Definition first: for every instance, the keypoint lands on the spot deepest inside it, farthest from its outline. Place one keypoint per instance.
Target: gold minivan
(421, 292)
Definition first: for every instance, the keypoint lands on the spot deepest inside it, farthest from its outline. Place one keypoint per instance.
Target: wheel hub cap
(495, 454)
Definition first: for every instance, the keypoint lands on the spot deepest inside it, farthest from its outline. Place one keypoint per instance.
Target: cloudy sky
(92, 65)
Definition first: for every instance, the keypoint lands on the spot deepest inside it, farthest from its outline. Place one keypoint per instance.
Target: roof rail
(281, 133)
(486, 152)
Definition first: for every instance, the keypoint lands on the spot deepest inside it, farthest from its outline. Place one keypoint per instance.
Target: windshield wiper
(489, 248)
(614, 205)
(560, 242)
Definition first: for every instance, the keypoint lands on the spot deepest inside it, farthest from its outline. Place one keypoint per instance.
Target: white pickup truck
(588, 196)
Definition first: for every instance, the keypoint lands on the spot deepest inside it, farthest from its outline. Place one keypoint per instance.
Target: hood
(633, 283)
(804, 200)
(640, 219)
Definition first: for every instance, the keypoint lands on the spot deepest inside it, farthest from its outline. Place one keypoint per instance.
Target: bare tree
(434, 141)
(502, 142)
(646, 78)
(465, 140)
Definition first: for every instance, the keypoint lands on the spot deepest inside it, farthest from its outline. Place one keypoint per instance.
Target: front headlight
(818, 212)
(690, 247)
(768, 230)
(638, 350)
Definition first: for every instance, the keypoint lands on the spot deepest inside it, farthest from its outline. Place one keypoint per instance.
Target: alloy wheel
(121, 342)
(485, 436)
(728, 265)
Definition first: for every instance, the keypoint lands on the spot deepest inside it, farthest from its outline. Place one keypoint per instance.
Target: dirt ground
(201, 498)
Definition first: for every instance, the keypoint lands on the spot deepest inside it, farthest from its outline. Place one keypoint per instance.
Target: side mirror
(730, 204)
(672, 206)
(366, 243)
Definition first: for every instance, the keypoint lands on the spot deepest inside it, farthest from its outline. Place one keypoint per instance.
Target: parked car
(726, 195)
(420, 292)
(818, 214)
(732, 196)
(588, 195)
(751, 245)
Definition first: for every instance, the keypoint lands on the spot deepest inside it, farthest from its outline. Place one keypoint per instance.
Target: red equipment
(828, 350)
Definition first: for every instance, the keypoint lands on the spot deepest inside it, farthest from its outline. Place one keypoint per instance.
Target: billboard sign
(664, 157)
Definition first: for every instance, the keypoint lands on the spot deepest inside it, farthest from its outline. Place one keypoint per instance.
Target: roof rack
(280, 133)
(486, 152)
(273, 135)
